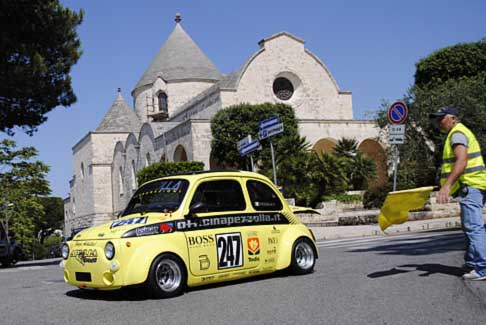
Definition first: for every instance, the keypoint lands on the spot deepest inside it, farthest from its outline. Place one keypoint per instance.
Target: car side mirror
(197, 207)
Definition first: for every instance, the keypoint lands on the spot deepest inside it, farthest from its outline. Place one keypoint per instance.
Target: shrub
(374, 197)
(162, 169)
(345, 198)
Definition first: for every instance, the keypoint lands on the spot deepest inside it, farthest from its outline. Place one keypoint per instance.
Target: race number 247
(230, 253)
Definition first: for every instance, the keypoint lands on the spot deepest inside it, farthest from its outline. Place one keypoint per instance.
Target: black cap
(443, 111)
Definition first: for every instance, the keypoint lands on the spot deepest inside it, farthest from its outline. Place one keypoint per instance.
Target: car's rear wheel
(167, 277)
(303, 257)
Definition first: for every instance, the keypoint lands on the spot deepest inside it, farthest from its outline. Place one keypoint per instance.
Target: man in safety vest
(463, 175)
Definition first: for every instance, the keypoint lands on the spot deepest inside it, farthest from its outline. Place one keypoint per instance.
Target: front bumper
(87, 266)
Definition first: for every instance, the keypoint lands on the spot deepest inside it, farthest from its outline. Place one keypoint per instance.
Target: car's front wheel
(167, 277)
(303, 257)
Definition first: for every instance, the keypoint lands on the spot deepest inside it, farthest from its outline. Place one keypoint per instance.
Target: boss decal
(131, 221)
(229, 249)
(231, 221)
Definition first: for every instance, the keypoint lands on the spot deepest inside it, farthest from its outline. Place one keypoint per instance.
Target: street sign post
(396, 134)
(268, 128)
(247, 146)
(397, 114)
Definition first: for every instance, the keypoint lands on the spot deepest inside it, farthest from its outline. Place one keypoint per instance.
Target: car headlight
(65, 251)
(109, 250)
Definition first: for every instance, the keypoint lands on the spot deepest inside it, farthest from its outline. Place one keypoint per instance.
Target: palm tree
(346, 148)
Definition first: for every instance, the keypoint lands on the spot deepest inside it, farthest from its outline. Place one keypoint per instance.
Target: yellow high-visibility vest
(475, 172)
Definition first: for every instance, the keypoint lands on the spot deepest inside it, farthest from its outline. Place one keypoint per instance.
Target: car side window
(263, 197)
(223, 195)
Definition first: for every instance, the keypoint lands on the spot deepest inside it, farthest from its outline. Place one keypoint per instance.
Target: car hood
(116, 228)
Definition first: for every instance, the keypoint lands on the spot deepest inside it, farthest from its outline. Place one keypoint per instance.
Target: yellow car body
(224, 226)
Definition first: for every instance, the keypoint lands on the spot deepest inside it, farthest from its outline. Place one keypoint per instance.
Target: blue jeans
(471, 201)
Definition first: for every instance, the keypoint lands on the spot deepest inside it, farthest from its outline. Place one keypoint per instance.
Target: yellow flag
(397, 205)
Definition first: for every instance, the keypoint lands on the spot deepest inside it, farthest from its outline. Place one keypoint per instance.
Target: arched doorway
(180, 154)
(375, 151)
(324, 145)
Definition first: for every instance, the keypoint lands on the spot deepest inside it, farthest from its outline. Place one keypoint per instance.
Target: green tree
(453, 76)
(454, 62)
(53, 216)
(22, 181)
(234, 123)
(38, 47)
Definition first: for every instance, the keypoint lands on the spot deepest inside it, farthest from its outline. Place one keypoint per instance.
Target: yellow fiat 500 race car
(189, 230)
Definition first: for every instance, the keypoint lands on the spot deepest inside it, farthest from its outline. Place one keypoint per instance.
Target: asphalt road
(407, 279)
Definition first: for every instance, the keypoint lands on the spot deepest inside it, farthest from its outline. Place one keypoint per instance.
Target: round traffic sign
(398, 112)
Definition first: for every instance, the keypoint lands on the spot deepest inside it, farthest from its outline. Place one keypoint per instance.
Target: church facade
(174, 102)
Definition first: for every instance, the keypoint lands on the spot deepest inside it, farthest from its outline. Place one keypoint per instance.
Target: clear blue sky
(370, 47)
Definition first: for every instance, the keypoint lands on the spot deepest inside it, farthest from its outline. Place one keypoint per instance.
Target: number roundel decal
(230, 253)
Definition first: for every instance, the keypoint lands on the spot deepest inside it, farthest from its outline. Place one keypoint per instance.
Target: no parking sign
(397, 113)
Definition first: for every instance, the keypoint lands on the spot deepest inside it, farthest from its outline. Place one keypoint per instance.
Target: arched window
(148, 160)
(180, 154)
(163, 105)
(82, 171)
(134, 176)
(120, 181)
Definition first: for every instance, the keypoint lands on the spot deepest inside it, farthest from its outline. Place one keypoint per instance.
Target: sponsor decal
(253, 244)
(229, 248)
(253, 272)
(168, 186)
(270, 260)
(84, 255)
(147, 230)
(101, 234)
(207, 278)
(131, 221)
(154, 229)
(204, 262)
(200, 241)
(223, 276)
(231, 221)
(253, 259)
(272, 251)
(272, 240)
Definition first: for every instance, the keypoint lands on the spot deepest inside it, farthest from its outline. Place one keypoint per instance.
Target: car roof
(197, 175)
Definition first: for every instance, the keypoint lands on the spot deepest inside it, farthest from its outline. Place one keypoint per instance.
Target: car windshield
(158, 196)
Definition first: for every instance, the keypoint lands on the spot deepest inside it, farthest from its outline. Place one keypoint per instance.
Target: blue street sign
(250, 147)
(268, 123)
(271, 131)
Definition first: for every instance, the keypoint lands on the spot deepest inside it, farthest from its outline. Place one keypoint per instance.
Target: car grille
(83, 276)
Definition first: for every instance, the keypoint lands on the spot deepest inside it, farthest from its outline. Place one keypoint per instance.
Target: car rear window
(263, 197)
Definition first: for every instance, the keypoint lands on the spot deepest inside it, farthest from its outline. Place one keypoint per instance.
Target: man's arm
(460, 151)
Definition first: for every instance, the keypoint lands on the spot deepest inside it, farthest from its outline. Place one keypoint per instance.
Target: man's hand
(443, 195)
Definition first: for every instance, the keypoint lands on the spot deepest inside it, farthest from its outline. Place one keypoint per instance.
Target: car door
(268, 205)
(216, 236)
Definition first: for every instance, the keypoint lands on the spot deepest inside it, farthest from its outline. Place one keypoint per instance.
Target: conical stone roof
(119, 118)
(180, 59)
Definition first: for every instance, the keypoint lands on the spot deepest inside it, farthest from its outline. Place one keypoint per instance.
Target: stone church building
(174, 101)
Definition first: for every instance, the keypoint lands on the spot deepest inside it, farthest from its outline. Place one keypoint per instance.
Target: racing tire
(303, 257)
(167, 277)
